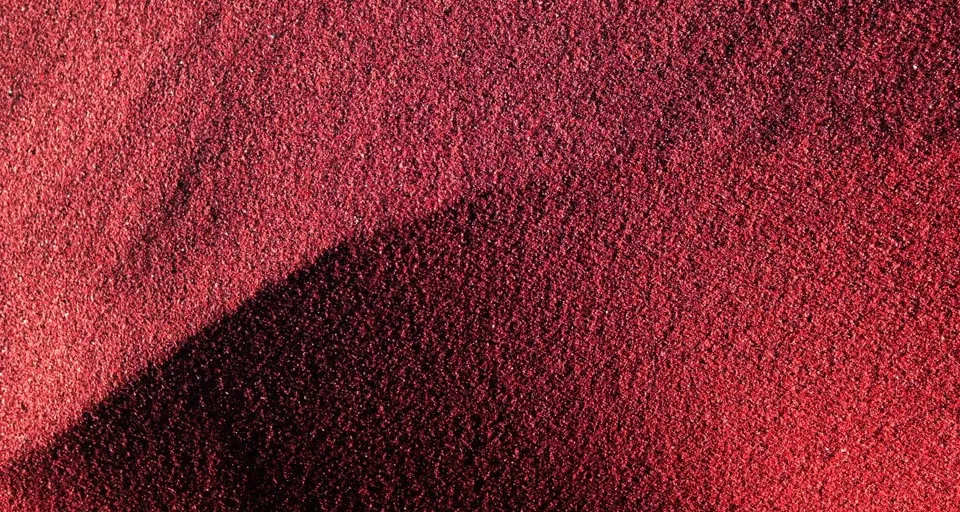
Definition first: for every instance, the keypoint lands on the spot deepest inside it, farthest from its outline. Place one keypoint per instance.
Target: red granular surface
(534, 255)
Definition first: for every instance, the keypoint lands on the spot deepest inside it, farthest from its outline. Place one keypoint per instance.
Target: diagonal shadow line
(431, 366)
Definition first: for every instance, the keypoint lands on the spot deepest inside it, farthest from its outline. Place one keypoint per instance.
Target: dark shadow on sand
(433, 367)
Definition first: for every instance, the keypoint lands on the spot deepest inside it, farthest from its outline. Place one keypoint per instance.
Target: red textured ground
(533, 255)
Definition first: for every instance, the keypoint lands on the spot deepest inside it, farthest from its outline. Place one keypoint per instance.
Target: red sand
(605, 257)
